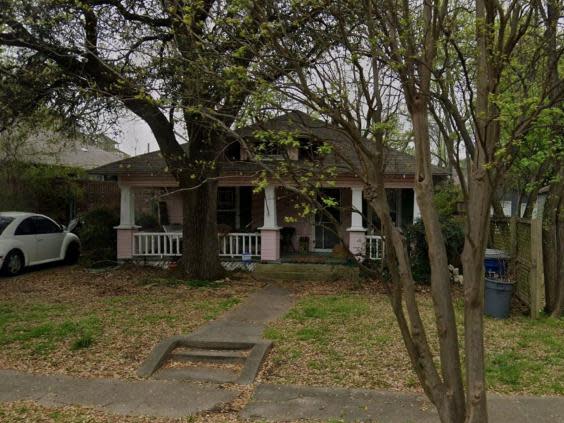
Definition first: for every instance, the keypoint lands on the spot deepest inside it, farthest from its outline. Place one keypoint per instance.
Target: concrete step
(209, 374)
(210, 356)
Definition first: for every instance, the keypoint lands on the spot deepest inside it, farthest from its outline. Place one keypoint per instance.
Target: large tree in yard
(462, 61)
(185, 67)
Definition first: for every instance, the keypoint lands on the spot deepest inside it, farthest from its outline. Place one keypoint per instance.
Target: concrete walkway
(285, 402)
(269, 402)
(122, 397)
(246, 322)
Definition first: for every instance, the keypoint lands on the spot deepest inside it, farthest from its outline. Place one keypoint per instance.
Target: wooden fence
(522, 239)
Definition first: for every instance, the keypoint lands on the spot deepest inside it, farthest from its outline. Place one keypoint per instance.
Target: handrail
(159, 244)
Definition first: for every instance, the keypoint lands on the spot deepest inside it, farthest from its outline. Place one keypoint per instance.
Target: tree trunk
(557, 312)
(200, 259)
(454, 401)
(480, 195)
(477, 227)
(552, 226)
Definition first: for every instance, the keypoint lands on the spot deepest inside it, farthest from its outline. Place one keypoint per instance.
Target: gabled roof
(344, 157)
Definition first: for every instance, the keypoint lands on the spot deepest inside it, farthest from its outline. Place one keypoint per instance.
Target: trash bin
(495, 263)
(498, 294)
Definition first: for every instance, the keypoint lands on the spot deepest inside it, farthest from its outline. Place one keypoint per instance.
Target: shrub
(97, 234)
(47, 189)
(453, 232)
(446, 197)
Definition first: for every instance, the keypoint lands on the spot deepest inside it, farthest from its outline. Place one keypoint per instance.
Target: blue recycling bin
(496, 263)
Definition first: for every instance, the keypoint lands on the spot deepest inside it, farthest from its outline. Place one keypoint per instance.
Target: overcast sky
(135, 136)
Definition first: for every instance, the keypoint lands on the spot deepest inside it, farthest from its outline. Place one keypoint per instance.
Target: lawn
(71, 320)
(338, 336)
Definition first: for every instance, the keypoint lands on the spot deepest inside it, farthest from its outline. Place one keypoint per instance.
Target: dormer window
(233, 151)
(271, 151)
(308, 150)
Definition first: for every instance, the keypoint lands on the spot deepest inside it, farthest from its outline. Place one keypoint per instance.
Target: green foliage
(453, 233)
(446, 197)
(45, 189)
(97, 234)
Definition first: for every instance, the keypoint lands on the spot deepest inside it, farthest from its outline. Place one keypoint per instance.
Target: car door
(49, 239)
(26, 236)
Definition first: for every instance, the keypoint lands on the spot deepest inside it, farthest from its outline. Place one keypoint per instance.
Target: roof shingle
(343, 157)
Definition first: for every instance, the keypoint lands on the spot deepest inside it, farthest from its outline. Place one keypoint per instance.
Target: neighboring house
(54, 148)
(267, 225)
(42, 148)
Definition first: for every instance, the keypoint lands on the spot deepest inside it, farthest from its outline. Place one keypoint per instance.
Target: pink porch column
(127, 226)
(269, 244)
(125, 242)
(270, 231)
(357, 233)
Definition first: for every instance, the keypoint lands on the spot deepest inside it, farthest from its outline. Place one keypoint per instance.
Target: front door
(326, 236)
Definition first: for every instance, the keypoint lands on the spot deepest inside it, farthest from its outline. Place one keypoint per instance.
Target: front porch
(265, 226)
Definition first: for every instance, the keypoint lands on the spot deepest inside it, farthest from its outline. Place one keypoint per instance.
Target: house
(57, 159)
(48, 147)
(267, 225)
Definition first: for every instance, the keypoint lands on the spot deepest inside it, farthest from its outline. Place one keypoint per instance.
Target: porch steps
(210, 356)
(208, 374)
(305, 271)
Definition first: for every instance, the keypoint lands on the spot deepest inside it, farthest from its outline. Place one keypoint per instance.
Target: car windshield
(4, 222)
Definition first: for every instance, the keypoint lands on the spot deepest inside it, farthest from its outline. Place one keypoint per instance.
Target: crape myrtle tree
(186, 68)
(456, 60)
(513, 92)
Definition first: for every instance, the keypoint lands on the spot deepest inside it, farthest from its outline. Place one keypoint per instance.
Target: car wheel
(13, 264)
(72, 254)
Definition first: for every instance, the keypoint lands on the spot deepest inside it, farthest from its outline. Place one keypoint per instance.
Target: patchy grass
(525, 355)
(345, 338)
(73, 321)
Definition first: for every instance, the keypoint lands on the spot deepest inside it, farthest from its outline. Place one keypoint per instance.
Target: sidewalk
(269, 402)
(286, 402)
(114, 396)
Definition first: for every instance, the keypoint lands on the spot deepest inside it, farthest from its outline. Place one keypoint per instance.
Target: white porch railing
(375, 247)
(160, 244)
(157, 244)
(239, 244)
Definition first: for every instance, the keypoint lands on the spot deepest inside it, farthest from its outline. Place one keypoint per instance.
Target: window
(26, 227)
(308, 149)
(4, 222)
(271, 150)
(226, 198)
(45, 226)
(233, 151)
(227, 207)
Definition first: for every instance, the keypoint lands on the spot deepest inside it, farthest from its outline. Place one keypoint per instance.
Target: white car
(27, 239)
